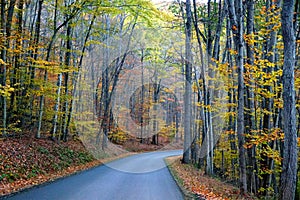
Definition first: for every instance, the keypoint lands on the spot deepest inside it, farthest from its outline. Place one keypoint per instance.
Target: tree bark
(250, 99)
(290, 149)
(188, 89)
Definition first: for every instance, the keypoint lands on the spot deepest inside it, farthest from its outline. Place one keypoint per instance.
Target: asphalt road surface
(138, 177)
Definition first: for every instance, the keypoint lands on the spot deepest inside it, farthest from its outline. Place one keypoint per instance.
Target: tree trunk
(231, 101)
(188, 84)
(236, 18)
(202, 98)
(290, 149)
(41, 109)
(66, 83)
(156, 88)
(142, 107)
(3, 70)
(252, 177)
(57, 105)
(34, 54)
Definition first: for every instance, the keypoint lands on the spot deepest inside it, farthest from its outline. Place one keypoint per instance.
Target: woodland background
(225, 67)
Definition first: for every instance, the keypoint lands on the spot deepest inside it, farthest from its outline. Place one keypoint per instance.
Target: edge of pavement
(188, 195)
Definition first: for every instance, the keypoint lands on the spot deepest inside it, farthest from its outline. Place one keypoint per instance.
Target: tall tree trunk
(156, 88)
(250, 98)
(209, 98)
(188, 84)
(15, 68)
(290, 150)
(3, 69)
(16, 77)
(202, 98)
(105, 84)
(57, 105)
(66, 81)
(236, 18)
(6, 32)
(41, 109)
(34, 54)
(231, 101)
(142, 107)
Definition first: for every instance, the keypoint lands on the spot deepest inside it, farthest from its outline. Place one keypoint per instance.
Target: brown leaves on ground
(10, 187)
(26, 162)
(201, 185)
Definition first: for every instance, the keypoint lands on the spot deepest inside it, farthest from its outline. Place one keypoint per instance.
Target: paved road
(139, 177)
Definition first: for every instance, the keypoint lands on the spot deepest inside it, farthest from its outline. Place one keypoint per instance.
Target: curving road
(139, 177)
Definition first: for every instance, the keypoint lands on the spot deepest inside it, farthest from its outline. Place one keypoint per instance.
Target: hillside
(28, 161)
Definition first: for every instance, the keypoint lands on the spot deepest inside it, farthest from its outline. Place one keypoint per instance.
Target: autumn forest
(219, 79)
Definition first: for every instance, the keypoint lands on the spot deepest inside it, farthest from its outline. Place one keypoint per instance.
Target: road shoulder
(188, 195)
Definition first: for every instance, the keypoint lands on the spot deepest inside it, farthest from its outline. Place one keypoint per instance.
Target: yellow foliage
(6, 90)
(233, 52)
(117, 136)
(2, 62)
(263, 138)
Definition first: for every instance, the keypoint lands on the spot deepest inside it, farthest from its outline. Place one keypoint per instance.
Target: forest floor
(26, 162)
(196, 185)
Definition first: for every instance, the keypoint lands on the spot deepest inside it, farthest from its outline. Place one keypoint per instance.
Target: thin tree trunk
(141, 109)
(6, 32)
(3, 69)
(236, 18)
(105, 84)
(41, 108)
(156, 92)
(19, 75)
(57, 105)
(209, 98)
(15, 68)
(34, 54)
(66, 85)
